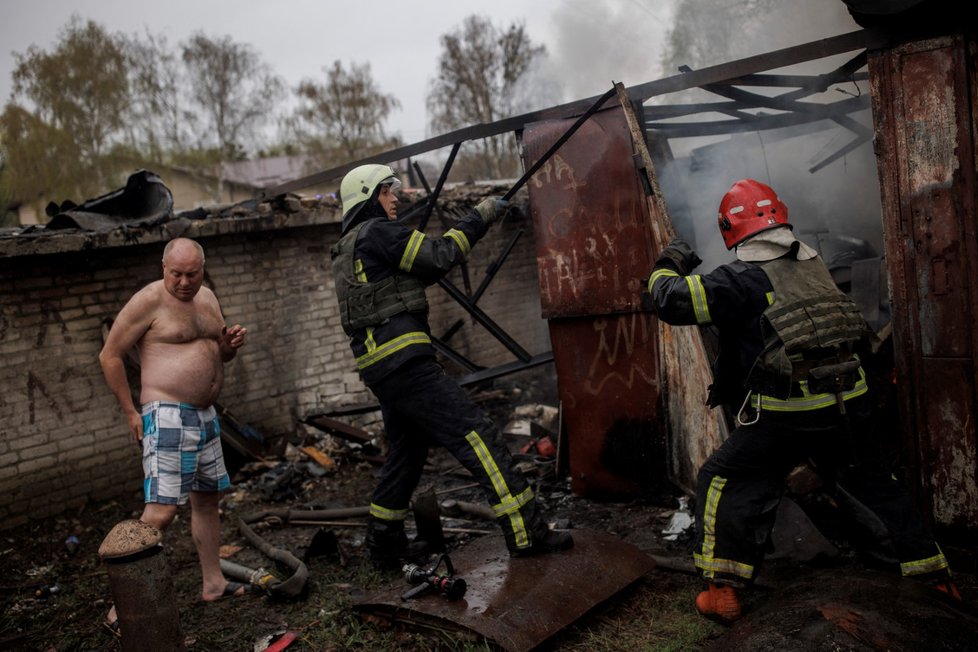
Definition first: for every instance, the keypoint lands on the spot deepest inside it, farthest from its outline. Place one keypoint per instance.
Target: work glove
(681, 255)
(491, 208)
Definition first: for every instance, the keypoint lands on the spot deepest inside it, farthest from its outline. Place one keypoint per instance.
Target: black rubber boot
(389, 547)
(386, 542)
(542, 538)
(552, 541)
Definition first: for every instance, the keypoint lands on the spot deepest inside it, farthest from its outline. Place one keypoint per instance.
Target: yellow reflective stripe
(661, 273)
(697, 294)
(358, 270)
(388, 348)
(369, 340)
(705, 559)
(387, 514)
(499, 485)
(511, 504)
(460, 240)
(713, 494)
(807, 401)
(411, 251)
(930, 565)
(711, 566)
(770, 297)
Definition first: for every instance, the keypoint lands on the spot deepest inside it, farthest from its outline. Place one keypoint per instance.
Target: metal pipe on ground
(456, 508)
(142, 588)
(286, 515)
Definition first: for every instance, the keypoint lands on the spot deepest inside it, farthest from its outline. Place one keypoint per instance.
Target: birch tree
(479, 73)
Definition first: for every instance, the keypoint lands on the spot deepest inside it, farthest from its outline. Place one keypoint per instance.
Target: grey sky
(600, 41)
(590, 43)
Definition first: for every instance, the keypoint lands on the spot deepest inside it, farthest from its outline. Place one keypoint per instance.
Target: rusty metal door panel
(609, 395)
(518, 603)
(593, 252)
(592, 241)
(931, 138)
(947, 441)
(924, 111)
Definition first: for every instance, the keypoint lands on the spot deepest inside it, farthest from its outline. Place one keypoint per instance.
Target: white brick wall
(62, 439)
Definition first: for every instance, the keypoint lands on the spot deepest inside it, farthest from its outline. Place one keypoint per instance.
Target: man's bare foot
(111, 621)
(231, 590)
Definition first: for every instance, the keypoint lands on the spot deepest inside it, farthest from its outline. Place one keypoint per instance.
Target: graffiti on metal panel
(593, 260)
(557, 170)
(619, 341)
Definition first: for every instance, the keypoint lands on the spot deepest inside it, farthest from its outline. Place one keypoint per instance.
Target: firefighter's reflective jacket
(380, 269)
(776, 321)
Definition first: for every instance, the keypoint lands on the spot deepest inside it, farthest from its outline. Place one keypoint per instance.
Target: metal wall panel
(593, 252)
(592, 238)
(924, 112)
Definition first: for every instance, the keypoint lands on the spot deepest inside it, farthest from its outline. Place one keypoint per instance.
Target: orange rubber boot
(720, 602)
(949, 587)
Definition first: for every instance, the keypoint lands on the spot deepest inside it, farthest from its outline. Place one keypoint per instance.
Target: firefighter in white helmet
(789, 370)
(381, 268)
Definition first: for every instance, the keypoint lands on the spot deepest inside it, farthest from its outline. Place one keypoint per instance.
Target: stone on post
(142, 589)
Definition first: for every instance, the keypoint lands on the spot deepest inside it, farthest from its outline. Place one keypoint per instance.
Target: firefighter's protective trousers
(422, 408)
(740, 485)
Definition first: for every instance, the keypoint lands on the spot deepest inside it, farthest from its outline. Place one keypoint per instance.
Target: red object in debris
(545, 447)
(284, 641)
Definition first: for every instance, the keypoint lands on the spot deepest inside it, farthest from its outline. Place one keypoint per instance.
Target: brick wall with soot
(63, 441)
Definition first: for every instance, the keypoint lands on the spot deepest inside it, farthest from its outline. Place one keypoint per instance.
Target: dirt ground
(55, 595)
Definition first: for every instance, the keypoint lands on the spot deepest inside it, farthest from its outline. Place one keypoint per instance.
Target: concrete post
(142, 589)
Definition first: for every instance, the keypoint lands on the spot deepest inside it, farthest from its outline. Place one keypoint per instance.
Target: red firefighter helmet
(749, 207)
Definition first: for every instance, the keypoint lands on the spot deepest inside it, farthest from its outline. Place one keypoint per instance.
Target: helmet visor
(393, 182)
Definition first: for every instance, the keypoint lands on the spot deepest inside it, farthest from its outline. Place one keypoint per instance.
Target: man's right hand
(135, 427)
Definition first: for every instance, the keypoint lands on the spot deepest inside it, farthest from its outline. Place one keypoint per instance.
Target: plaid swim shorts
(181, 452)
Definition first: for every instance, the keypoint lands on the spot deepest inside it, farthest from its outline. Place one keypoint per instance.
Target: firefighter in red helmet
(789, 370)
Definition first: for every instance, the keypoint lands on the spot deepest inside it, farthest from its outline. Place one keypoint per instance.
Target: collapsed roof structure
(900, 83)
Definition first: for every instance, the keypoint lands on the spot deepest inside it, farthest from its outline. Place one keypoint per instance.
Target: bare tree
(234, 89)
(38, 160)
(160, 126)
(66, 118)
(344, 117)
(478, 78)
(80, 89)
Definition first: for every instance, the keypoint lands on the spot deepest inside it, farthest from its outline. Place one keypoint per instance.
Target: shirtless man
(177, 327)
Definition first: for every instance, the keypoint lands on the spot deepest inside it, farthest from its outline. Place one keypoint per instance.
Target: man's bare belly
(188, 372)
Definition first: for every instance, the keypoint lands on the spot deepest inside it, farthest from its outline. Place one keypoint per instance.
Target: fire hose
(292, 587)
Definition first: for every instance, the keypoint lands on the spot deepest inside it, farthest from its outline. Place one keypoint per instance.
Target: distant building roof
(266, 172)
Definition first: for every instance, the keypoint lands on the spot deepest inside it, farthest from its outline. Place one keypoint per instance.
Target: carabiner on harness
(740, 412)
